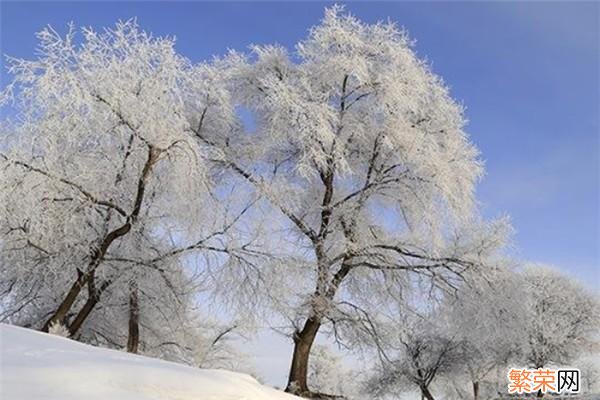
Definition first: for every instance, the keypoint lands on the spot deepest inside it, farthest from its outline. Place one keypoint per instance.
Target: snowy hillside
(38, 366)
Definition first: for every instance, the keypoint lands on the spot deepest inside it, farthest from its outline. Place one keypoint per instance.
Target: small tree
(328, 374)
(419, 352)
(485, 317)
(561, 317)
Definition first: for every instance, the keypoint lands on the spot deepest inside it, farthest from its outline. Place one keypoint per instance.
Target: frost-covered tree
(537, 317)
(328, 373)
(485, 318)
(420, 350)
(589, 366)
(361, 150)
(105, 193)
(561, 318)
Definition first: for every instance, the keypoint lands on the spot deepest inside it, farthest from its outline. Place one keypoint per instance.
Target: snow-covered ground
(38, 366)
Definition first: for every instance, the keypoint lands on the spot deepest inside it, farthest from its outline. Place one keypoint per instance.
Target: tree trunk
(93, 299)
(82, 278)
(82, 316)
(476, 390)
(134, 316)
(303, 341)
(426, 393)
(539, 394)
(64, 307)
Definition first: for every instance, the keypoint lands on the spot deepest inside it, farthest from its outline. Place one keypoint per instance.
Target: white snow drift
(36, 366)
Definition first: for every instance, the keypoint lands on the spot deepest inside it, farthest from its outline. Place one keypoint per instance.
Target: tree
(360, 149)
(536, 317)
(560, 318)
(485, 318)
(105, 188)
(424, 349)
(328, 374)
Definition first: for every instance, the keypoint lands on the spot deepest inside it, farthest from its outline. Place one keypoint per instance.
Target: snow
(36, 366)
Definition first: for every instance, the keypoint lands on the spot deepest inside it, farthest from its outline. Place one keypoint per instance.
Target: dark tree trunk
(303, 341)
(133, 338)
(82, 316)
(426, 393)
(65, 306)
(476, 390)
(93, 299)
(82, 278)
(539, 394)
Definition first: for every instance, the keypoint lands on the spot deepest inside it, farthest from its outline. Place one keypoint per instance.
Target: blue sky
(527, 72)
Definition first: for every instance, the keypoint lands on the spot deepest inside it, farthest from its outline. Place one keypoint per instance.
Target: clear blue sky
(528, 74)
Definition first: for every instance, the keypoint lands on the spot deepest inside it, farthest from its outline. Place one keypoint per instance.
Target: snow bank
(38, 366)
